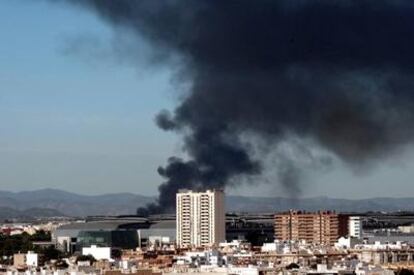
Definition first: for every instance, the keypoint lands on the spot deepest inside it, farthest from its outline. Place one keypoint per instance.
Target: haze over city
(78, 102)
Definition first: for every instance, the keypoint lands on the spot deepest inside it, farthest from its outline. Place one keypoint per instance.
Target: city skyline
(207, 137)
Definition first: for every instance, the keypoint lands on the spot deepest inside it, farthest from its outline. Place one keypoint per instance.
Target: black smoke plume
(337, 73)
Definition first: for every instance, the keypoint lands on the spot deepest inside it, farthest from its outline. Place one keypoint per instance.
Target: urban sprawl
(202, 238)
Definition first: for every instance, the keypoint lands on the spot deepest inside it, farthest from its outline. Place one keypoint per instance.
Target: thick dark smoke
(338, 73)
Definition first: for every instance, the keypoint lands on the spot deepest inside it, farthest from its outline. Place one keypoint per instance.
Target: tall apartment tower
(200, 218)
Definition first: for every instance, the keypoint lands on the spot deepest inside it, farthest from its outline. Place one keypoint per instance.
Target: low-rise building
(99, 253)
(23, 260)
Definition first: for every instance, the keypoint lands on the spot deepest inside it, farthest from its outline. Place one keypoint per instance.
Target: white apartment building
(200, 218)
(355, 227)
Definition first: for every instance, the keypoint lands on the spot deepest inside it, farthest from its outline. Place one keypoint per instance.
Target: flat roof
(167, 224)
(105, 225)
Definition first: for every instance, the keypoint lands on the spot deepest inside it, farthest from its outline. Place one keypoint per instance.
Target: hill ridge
(124, 203)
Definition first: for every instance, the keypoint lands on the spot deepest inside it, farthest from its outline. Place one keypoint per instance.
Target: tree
(50, 253)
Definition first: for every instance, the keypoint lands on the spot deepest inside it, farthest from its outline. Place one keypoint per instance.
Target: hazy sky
(81, 120)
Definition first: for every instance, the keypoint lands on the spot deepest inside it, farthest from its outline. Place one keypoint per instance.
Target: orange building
(323, 227)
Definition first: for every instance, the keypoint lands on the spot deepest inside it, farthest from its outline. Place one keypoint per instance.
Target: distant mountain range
(52, 202)
(72, 204)
(7, 213)
(265, 204)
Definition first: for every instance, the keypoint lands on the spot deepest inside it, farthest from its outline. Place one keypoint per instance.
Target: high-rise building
(200, 218)
(355, 227)
(320, 228)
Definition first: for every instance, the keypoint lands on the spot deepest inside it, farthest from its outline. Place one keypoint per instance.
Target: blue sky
(75, 116)
(69, 120)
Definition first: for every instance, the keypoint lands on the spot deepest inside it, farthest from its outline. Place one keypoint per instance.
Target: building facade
(319, 228)
(355, 227)
(200, 218)
(115, 232)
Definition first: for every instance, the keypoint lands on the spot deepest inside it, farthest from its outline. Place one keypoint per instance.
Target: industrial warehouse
(131, 232)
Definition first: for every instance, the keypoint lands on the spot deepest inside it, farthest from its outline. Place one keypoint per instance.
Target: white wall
(99, 253)
(31, 259)
(355, 227)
